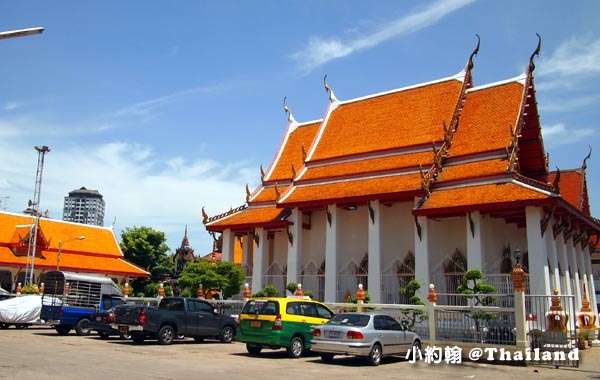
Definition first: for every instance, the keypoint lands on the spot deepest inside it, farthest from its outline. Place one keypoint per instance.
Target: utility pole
(35, 210)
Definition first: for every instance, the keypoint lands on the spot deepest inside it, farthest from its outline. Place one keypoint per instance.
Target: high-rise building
(84, 206)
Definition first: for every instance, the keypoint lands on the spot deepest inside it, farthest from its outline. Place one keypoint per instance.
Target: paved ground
(39, 353)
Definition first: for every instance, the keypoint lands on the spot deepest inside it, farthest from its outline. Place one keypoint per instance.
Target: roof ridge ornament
(288, 112)
(583, 169)
(584, 165)
(332, 97)
(536, 52)
(474, 53)
(247, 193)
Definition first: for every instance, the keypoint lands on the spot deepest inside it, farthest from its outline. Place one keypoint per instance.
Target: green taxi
(278, 322)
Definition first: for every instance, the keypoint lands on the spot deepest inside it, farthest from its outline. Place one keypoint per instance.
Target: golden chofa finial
(204, 216)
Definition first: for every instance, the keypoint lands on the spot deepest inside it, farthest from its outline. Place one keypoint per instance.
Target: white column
(331, 244)
(228, 245)
(591, 289)
(582, 268)
(551, 246)
(474, 242)
(294, 247)
(247, 251)
(374, 252)
(422, 257)
(538, 258)
(571, 272)
(261, 246)
(563, 259)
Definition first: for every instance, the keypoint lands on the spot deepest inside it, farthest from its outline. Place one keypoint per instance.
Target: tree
(473, 284)
(225, 277)
(144, 246)
(268, 291)
(414, 316)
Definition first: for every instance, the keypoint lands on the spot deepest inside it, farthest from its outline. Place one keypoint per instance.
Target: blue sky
(166, 107)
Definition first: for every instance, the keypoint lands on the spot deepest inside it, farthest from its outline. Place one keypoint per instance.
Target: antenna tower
(34, 208)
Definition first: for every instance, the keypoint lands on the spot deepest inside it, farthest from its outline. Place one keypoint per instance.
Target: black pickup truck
(174, 317)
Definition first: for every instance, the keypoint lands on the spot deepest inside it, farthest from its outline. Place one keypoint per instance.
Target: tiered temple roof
(452, 147)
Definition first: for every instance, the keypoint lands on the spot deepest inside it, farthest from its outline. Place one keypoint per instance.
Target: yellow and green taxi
(278, 322)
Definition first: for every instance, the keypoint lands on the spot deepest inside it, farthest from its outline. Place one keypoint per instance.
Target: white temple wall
(279, 244)
(313, 245)
(353, 241)
(397, 233)
(497, 236)
(446, 236)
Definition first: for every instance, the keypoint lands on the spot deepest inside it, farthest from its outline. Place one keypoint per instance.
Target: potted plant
(582, 338)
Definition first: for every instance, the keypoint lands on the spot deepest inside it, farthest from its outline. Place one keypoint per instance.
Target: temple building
(184, 254)
(425, 182)
(59, 245)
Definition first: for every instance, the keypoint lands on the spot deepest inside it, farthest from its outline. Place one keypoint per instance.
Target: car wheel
(62, 329)
(374, 357)
(227, 334)
(296, 347)
(326, 357)
(4, 326)
(166, 335)
(83, 327)
(137, 338)
(415, 350)
(253, 349)
(21, 326)
(104, 335)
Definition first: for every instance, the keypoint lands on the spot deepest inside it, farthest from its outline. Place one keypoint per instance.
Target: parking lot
(39, 353)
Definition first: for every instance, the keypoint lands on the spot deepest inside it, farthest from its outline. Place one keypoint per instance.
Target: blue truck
(70, 299)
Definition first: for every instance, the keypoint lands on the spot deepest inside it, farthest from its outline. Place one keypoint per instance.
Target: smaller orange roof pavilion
(98, 252)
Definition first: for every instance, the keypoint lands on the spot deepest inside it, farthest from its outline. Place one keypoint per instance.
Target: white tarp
(24, 309)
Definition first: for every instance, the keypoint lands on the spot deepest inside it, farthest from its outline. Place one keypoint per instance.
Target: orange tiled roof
(353, 189)
(570, 188)
(479, 195)
(475, 169)
(487, 118)
(291, 151)
(370, 165)
(253, 215)
(397, 119)
(99, 251)
(266, 194)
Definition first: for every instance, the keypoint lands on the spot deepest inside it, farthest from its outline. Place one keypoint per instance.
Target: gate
(551, 329)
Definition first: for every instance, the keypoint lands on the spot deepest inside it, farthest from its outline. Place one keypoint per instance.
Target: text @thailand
(453, 355)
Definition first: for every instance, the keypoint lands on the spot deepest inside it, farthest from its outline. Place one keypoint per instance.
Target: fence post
(430, 309)
(518, 276)
(360, 298)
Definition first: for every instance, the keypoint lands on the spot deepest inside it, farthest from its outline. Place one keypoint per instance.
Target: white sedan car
(369, 335)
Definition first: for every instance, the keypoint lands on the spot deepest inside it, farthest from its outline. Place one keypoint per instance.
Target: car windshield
(261, 307)
(349, 319)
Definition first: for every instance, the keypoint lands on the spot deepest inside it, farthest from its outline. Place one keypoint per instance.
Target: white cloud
(320, 51)
(578, 56)
(558, 134)
(138, 186)
(10, 106)
(571, 104)
(148, 109)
